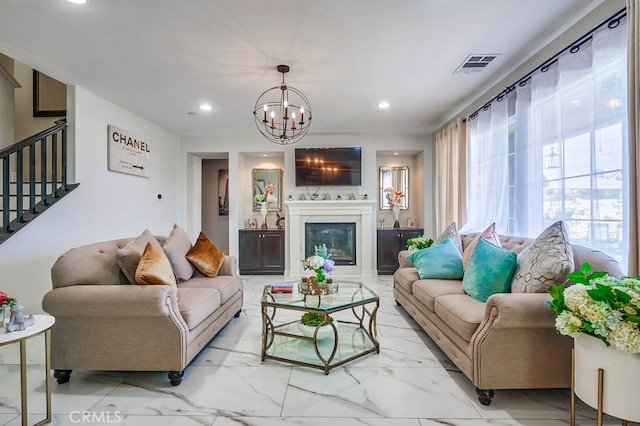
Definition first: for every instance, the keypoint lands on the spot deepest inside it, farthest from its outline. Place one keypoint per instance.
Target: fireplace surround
(359, 212)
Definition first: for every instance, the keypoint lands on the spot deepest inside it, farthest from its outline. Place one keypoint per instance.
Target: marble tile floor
(410, 383)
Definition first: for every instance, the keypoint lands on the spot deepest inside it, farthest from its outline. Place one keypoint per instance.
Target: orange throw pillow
(154, 268)
(206, 256)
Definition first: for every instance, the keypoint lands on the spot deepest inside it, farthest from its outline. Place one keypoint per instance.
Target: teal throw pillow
(440, 261)
(490, 270)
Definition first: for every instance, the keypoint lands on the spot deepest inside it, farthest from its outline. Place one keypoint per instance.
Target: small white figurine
(18, 321)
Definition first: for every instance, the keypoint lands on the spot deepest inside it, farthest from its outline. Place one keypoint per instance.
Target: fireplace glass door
(340, 239)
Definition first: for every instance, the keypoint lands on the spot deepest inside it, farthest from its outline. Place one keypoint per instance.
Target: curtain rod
(574, 47)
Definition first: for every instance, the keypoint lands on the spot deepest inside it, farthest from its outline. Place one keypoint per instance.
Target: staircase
(33, 177)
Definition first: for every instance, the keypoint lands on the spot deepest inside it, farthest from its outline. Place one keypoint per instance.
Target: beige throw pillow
(176, 248)
(205, 256)
(451, 231)
(129, 256)
(546, 261)
(154, 268)
(489, 234)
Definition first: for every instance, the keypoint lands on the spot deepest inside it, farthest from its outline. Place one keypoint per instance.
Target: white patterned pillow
(451, 231)
(546, 261)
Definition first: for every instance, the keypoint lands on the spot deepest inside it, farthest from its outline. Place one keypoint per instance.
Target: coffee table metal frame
(364, 308)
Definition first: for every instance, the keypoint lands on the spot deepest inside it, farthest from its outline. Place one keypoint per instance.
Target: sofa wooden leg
(484, 395)
(237, 314)
(62, 376)
(175, 377)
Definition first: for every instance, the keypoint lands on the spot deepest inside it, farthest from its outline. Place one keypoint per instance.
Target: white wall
(106, 205)
(244, 154)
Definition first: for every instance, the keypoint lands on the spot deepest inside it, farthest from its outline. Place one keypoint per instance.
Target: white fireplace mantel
(358, 211)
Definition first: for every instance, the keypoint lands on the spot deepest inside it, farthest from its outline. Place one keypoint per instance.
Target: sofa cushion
(129, 256)
(427, 291)
(176, 248)
(451, 231)
(547, 261)
(440, 261)
(404, 278)
(490, 234)
(227, 285)
(460, 312)
(490, 270)
(196, 304)
(205, 256)
(154, 268)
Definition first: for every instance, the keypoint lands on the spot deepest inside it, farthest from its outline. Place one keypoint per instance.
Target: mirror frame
(396, 177)
(263, 177)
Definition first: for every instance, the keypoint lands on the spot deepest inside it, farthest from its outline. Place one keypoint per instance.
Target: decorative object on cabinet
(390, 243)
(267, 187)
(261, 251)
(397, 179)
(252, 223)
(282, 113)
(411, 222)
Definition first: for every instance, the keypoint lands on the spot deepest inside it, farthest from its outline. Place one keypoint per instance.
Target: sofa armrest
(229, 266)
(518, 310)
(403, 261)
(111, 301)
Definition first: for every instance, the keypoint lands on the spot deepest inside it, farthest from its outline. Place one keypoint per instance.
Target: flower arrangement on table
(5, 300)
(599, 305)
(393, 197)
(319, 263)
(418, 243)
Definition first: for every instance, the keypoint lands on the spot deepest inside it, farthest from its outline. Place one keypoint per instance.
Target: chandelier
(282, 113)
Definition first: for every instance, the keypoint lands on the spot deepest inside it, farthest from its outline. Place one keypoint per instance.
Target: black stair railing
(46, 153)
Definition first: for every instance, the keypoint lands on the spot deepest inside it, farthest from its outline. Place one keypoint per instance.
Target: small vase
(263, 214)
(620, 380)
(396, 216)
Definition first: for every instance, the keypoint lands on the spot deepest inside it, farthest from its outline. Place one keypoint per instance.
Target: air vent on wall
(475, 63)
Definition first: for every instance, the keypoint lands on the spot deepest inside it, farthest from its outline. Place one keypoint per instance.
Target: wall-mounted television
(328, 166)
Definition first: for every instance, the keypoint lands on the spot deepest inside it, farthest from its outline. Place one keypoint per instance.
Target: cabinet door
(388, 248)
(272, 252)
(407, 234)
(250, 258)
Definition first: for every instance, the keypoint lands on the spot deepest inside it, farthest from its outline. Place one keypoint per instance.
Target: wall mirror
(396, 178)
(262, 178)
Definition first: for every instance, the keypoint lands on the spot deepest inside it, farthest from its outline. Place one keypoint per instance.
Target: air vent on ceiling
(475, 63)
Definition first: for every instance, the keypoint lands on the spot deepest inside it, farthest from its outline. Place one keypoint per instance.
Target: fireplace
(328, 212)
(339, 237)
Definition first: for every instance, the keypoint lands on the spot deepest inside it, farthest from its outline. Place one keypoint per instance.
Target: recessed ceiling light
(206, 107)
(395, 153)
(383, 105)
(77, 1)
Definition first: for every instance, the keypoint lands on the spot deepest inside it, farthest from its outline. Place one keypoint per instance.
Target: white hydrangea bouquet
(417, 243)
(601, 306)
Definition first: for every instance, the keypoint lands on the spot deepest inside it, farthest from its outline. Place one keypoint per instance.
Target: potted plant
(602, 314)
(310, 321)
(418, 243)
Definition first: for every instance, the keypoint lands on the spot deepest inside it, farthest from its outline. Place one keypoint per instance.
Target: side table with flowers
(602, 314)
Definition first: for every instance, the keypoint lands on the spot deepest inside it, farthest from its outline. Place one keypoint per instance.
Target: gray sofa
(507, 342)
(105, 323)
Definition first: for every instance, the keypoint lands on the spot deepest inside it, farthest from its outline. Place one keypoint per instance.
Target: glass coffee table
(352, 333)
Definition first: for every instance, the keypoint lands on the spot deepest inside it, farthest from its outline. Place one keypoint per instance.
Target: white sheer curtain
(569, 142)
(451, 175)
(488, 168)
(633, 91)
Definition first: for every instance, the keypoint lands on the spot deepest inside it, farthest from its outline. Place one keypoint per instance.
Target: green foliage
(314, 319)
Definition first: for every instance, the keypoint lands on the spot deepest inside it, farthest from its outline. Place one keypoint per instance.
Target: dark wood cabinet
(390, 242)
(261, 251)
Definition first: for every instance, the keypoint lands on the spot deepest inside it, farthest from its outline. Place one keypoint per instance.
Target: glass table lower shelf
(352, 334)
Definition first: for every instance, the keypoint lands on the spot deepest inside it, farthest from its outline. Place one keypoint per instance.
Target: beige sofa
(507, 342)
(105, 323)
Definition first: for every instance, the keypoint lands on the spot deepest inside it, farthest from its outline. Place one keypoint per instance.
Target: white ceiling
(160, 58)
